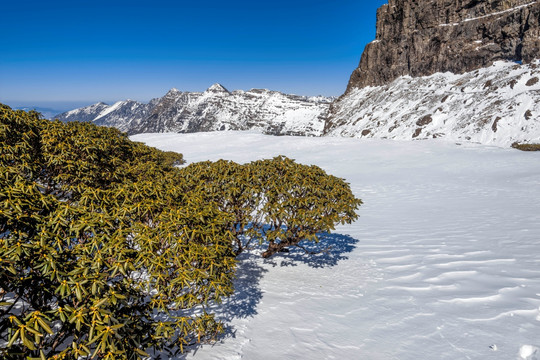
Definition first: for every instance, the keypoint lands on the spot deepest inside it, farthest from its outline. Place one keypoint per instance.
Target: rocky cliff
(423, 37)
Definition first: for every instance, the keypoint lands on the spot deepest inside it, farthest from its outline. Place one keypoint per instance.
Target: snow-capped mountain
(85, 114)
(215, 109)
(123, 114)
(496, 105)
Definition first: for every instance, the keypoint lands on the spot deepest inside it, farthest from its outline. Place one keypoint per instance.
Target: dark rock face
(422, 37)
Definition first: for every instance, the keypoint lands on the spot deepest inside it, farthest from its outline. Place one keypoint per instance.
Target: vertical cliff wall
(422, 37)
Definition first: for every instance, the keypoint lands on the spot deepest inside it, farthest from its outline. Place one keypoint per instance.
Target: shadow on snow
(330, 249)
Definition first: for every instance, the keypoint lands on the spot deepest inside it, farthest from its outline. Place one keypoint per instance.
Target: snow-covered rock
(124, 115)
(86, 114)
(217, 109)
(496, 105)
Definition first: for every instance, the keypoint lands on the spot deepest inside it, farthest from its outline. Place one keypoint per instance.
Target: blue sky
(80, 51)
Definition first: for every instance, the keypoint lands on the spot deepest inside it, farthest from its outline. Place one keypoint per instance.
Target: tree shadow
(331, 249)
(247, 293)
(328, 252)
(242, 303)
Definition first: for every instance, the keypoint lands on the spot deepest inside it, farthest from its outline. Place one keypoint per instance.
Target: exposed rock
(366, 132)
(494, 125)
(424, 120)
(423, 37)
(532, 81)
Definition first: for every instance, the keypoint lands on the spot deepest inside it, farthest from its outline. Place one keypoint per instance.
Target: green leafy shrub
(298, 201)
(102, 255)
(108, 251)
(278, 202)
(231, 187)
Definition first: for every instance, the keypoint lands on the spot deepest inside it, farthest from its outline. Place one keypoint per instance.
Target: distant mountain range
(47, 113)
(215, 109)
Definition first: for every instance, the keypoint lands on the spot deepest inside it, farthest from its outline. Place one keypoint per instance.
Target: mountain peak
(217, 88)
(173, 91)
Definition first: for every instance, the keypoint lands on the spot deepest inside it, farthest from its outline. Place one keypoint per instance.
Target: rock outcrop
(423, 37)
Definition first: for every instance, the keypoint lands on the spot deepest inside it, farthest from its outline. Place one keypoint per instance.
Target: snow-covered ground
(443, 263)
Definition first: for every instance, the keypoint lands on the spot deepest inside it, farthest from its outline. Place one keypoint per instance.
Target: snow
(110, 109)
(527, 351)
(443, 262)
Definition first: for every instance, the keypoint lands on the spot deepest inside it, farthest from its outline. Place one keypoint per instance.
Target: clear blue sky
(83, 51)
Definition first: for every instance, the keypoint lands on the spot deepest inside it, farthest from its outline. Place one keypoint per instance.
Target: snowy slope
(85, 114)
(497, 105)
(124, 115)
(443, 263)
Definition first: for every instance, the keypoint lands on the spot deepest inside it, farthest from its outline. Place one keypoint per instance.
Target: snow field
(443, 263)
